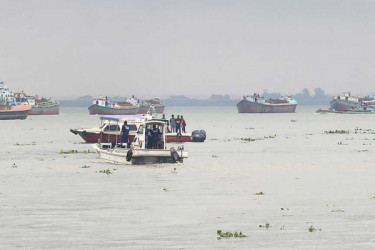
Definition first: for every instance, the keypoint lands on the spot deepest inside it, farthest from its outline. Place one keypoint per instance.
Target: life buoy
(129, 155)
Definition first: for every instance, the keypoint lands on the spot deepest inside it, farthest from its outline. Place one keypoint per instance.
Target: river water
(308, 179)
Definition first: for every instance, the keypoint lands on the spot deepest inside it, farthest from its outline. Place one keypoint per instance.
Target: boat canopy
(118, 118)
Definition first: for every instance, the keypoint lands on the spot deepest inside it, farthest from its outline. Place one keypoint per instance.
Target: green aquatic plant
(106, 171)
(74, 151)
(85, 166)
(311, 229)
(337, 211)
(337, 132)
(248, 139)
(266, 226)
(19, 144)
(363, 150)
(227, 235)
(260, 193)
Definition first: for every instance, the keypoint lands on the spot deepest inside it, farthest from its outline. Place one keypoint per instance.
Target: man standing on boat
(125, 134)
(172, 121)
(183, 124)
(178, 124)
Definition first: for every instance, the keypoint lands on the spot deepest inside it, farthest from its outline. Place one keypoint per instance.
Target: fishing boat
(110, 128)
(102, 106)
(258, 104)
(14, 112)
(148, 147)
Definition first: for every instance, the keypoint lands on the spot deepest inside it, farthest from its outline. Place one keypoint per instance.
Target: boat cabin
(150, 135)
(111, 124)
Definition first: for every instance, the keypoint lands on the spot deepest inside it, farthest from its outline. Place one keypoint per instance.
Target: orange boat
(17, 112)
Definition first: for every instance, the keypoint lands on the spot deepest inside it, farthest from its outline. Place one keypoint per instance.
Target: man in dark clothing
(125, 133)
(155, 136)
(178, 124)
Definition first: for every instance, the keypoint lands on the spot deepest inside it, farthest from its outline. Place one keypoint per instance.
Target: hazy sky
(159, 48)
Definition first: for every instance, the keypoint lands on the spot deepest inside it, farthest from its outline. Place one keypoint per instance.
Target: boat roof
(118, 118)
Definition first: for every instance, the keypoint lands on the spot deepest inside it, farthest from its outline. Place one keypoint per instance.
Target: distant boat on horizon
(258, 104)
(41, 106)
(348, 104)
(102, 106)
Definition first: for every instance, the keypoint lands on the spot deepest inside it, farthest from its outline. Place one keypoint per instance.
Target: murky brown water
(48, 201)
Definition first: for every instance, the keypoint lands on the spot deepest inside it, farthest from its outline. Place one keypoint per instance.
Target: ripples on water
(47, 200)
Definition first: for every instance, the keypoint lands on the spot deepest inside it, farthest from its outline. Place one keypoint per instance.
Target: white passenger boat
(149, 147)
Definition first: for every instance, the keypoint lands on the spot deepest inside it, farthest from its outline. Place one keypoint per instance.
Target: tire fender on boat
(129, 155)
(174, 154)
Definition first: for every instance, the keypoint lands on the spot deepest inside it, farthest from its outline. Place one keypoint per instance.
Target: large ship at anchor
(103, 106)
(346, 103)
(9, 108)
(41, 106)
(258, 104)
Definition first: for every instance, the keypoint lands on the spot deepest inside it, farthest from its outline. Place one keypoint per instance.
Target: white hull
(140, 156)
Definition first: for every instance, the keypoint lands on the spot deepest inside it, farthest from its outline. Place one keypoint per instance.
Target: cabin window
(140, 130)
(112, 128)
(132, 127)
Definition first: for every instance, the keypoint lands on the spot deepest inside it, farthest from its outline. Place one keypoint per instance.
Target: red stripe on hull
(94, 137)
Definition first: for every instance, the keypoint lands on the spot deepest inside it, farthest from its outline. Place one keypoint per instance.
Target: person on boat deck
(164, 119)
(148, 138)
(155, 136)
(178, 124)
(183, 124)
(167, 130)
(125, 133)
(172, 121)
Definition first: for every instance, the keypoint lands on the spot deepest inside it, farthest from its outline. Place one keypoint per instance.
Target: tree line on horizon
(303, 98)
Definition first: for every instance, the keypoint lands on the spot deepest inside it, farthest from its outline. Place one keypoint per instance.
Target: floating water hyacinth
(336, 132)
(230, 235)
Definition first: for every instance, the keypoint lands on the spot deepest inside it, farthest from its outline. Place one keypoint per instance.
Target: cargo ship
(258, 104)
(14, 112)
(45, 107)
(41, 106)
(102, 106)
(9, 109)
(346, 103)
(156, 104)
